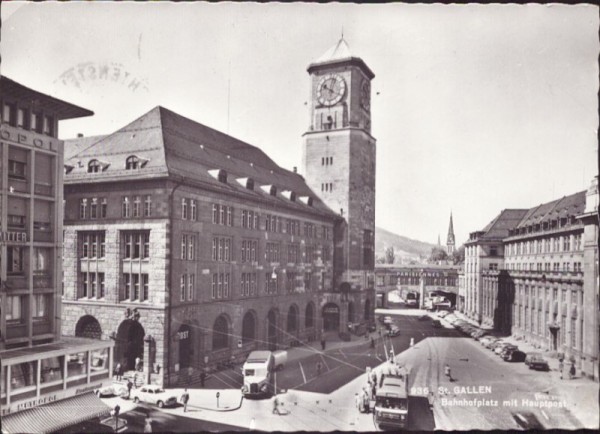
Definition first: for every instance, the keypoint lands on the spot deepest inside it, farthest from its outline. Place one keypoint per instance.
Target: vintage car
(537, 361)
(394, 330)
(112, 390)
(153, 395)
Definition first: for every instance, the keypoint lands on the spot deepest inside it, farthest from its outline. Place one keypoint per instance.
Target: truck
(391, 400)
(259, 372)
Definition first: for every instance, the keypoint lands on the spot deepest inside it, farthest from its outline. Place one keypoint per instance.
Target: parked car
(514, 356)
(112, 390)
(443, 304)
(480, 334)
(537, 361)
(443, 313)
(153, 395)
(436, 323)
(388, 320)
(394, 330)
(492, 346)
(500, 347)
(487, 340)
(507, 349)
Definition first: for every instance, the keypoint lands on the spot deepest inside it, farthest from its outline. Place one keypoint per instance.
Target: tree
(438, 254)
(390, 256)
(458, 256)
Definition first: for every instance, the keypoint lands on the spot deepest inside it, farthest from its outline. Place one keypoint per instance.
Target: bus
(412, 299)
(391, 400)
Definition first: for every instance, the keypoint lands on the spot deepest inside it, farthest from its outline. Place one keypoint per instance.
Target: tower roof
(450, 239)
(340, 53)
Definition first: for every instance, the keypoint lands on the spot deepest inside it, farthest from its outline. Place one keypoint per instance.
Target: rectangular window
(193, 210)
(93, 287)
(222, 215)
(83, 205)
(230, 216)
(191, 283)
(184, 209)
(214, 286)
(137, 245)
(136, 286)
(566, 243)
(191, 247)
(48, 127)
(13, 309)
(127, 288)
(101, 287)
(215, 217)
(184, 246)
(125, 208)
(94, 208)
(182, 288)
(145, 287)
(226, 285)
(220, 286)
(147, 206)
(14, 260)
(16, 169)
(103, 207)
(137, 206)
(85, 291)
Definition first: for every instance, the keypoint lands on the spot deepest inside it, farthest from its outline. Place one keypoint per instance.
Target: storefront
(48, 387)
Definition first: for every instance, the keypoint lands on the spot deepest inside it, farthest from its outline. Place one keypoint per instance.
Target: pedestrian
(275, 405)
(374, 377)
(357, 401)
(148, 424)
(572, 371)
(366, 400)
(374, 390)
(135, 380)
(372, 343)
(185, 397)
(323, 344)
(319, 366)
(138, 363)
(202, 378)
(129, 386)
(118, 372)
(447, 372)
(561, 367)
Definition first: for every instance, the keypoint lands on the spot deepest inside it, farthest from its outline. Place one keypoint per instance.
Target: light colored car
(112, 390)
(500, 347)
(387, 320)
(153, 395)
(394, 330)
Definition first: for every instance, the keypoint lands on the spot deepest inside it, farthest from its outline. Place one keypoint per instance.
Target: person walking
(319, 367)
(118, 371)
(202, 379)
(323, 343)
(275, 405)
(185, 397)
(447, 372)
(572, 371)
(372, 342)
(561, 367)
(129, 386)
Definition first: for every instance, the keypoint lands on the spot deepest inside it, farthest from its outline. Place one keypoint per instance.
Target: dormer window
(307, 200)
(94, 166)
(246, 182)
(132, 163)
(219, 174)
(288, 194)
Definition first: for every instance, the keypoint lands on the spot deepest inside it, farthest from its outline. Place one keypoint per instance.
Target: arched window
(94, 166)
(132, 163)
(248, 328)
(292, 319)
(222, 177)
(220, 338)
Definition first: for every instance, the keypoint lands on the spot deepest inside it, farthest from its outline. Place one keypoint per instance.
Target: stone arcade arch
(88, 327)
(309, 315)
(220, 334)
(130, 343)
(292, 320)
(249, 327)
(331, 317)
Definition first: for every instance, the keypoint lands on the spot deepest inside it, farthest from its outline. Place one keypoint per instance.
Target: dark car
(436, 323)
(537, 361)
(394, 330)
(508, 349)
(514, 356)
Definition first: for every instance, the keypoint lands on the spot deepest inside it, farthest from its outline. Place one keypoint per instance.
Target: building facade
(339, 156)
(191, 248)
(545, 287)
(38, 366)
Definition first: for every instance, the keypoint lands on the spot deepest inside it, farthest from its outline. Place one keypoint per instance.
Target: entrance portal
(331, 317)
(130, 343)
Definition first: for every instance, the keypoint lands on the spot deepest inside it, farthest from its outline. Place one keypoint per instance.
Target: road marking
(324, 362)
(342, 353)
(302, 371)
(545, 415)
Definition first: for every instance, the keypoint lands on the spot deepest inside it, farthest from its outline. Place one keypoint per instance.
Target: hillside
(403, 247)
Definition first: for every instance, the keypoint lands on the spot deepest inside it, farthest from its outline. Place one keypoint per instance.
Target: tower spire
(450, 241)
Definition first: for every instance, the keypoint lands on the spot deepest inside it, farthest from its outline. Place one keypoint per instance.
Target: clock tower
(339, 166)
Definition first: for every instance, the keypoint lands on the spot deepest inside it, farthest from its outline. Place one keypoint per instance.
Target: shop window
(51, 370)
(77, 364)
(99, 360)
(23, 375)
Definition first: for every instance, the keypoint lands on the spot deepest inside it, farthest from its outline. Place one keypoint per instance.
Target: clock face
(331, 89)
(365, 95)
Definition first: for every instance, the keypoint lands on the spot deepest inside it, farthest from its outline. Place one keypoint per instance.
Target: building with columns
(544, 285)
(339, 156)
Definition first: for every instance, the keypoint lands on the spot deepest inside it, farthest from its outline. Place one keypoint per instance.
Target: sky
(475, 108)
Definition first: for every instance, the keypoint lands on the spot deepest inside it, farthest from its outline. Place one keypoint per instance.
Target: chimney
(79, 135)
(295, 169)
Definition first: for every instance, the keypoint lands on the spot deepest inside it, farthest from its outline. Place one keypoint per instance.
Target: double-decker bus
(391, 400)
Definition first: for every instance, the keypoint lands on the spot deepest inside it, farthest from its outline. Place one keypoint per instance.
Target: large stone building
(543, 283)
(38, 365)
(191, 248)
(339, 164)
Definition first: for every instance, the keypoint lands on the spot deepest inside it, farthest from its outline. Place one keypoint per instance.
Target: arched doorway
(367, 310)
(249, 328)
(292, 320)
(184, 337)
(88, 327)
(309, 315)
(331, 317)
(351, 312)
(220, 335)
(272, 330)
(130, 343)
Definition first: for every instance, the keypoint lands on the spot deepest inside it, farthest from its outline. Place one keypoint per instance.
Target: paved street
(486, 392)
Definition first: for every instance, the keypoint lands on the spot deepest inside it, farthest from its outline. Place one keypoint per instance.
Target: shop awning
(58, 415)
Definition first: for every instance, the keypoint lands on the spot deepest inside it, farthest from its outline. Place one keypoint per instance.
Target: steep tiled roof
(172, 145)
(75, 146)
(506, 220)
(565, 207)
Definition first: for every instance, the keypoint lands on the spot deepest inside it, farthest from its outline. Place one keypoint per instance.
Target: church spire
(450, 241)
